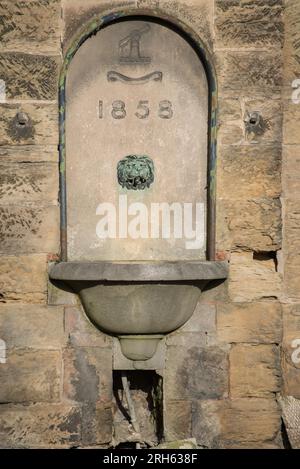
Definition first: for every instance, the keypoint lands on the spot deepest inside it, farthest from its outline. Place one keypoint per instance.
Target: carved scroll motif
(116, 76)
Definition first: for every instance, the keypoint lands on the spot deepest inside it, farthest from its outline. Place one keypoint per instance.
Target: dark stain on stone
(86, 383)
(208, 378)
(255, 123)
(71, 424)
(21, 127)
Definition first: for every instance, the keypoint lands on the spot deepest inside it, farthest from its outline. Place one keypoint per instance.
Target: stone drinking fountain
(137, 117)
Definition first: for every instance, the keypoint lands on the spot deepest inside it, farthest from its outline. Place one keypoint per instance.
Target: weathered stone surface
(244, 420)
(30, 25)
(198, 14)
(291, 50)
(23, 278)
(252, 279)
(81, 332)
(235, 423)
(202, 320)
(61, 295)
(29, 76)
(249, 24)
(291, 377)
(254, 371)
(291, 134)
(249, 224)
(200, 330)
(39, 425)
(206, 425)
(230, 122)
(29, 229)
(270, 128)
(32, 326)
(30, 376)
(291, 319)
(178, 420)
(195, 13)
(23, 183)
(257, 322)
(291, 170)
(291, 248)
(97, 423)
(76, 13)
(256, 72)
(42, 126)
(88, 374)
(28, 154)
(196, 373)
(215, 292)
(256, 168)
(292, 225)
(291, 352)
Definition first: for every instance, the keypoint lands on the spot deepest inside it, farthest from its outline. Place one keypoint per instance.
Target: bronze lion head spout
(135, 172)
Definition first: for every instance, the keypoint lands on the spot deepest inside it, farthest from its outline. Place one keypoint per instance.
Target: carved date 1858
(118, 109)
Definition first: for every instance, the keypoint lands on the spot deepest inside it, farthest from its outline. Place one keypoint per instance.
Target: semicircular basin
(137, 299)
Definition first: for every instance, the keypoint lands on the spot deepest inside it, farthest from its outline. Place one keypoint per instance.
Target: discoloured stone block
(245, 73)
(249, 224)
(81, 332)
(40, 425)
(23, 278)
(249, 24)
(252, 279)
(32, 326)
(257, 322)
(88, 374)
(29, 76)
(30, 25)
(97, 424)
(206, 425)
(254, 371)
(256, 168)
(195, 373)
(23, 183)
(29, 229)
(30, 376)
(178, 420)
(43, 128)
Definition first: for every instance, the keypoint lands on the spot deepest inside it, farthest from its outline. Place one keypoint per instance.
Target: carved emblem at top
(129, 47)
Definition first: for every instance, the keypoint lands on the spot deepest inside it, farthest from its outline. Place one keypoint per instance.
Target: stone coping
(139, 271)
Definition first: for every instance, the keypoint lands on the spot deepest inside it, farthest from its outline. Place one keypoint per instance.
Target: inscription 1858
(118, 109)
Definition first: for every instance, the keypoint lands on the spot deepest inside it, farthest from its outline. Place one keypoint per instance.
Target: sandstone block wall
(230, 378)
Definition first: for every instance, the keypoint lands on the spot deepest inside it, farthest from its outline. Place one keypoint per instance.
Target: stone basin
(139, 301)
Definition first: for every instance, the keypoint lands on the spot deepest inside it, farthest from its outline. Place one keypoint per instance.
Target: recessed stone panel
(135, 89)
